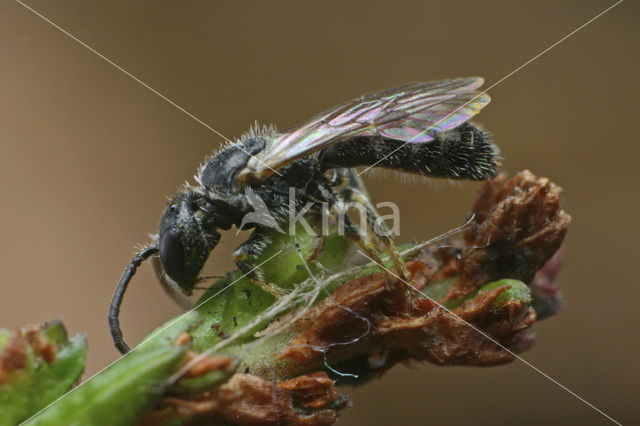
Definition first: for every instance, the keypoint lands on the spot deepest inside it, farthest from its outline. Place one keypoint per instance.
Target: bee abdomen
(465, 152)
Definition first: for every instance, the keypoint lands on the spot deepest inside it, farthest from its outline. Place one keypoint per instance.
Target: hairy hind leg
(378, 234)
(324, 192)
(379, 231)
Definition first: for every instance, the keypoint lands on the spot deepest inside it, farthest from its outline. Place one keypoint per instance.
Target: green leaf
(517, 291)
(168, 332)
(28, 390)
(120, 394)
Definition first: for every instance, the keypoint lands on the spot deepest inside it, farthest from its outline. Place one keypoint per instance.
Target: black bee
(418, 128)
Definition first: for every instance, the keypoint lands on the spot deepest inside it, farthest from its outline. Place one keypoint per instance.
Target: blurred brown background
(87, 156)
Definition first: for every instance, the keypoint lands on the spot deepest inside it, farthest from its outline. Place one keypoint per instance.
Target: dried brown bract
(14, 353)
(249, 400)
(518, 225)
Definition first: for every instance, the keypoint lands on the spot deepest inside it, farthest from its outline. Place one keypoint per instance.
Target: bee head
(187, 236)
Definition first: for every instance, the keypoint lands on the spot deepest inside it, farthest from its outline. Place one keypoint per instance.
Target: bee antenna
(118, 295)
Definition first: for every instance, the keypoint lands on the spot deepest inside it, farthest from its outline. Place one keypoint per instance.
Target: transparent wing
(409, 113)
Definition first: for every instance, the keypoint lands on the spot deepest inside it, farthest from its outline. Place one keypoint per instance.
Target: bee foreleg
(246, 255)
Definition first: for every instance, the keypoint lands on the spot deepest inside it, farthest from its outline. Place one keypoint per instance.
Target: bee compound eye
(172, 255)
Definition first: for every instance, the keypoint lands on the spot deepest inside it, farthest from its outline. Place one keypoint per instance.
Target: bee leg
(245, 257)
(351, 231)
(349, 177)
(337, 177)
(323, 192)
(356, 192)
(355, 181)
(337, 208)
(379, 230)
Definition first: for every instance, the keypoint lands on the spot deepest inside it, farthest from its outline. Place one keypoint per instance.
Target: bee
(417, 128)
